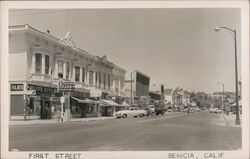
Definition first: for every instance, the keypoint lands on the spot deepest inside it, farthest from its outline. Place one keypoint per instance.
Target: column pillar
(43, 64)
(33, 63)
(94, 77)
(87, 77)
(119, 86)
(56, 70)
(64, 69)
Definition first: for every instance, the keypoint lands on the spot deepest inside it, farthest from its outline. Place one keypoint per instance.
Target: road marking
(160, 118)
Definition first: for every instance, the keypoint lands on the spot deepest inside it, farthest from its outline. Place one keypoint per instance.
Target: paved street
(174, 131)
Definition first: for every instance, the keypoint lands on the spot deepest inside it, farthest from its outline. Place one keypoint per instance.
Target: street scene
(125, 80)
(172, 131)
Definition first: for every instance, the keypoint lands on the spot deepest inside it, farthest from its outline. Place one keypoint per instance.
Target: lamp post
(237, 120)
(223, 106)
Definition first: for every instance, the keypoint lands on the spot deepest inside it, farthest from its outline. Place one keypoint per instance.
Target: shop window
(83, 74)
(47, 64)
(67, 70)
(91, 73)
(38, 63)
(60, 69)
(77, 73)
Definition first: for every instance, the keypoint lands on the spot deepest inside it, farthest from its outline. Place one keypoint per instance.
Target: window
(83, 74)
(104, 80)
(96, 74)
(91, 77)
(38, 63)
(108, 81)
(47, 64)
(100, 79)
(116, 85)
(60, 69)
(67, 70)
(77, 74)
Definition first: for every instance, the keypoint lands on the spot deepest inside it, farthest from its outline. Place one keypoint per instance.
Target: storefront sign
(41, 90)
(66, 86)
(80, 95)
(16, 87)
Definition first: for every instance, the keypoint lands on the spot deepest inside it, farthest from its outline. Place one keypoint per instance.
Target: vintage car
(132, 111)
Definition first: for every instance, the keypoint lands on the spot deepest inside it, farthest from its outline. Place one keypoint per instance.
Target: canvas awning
(109, 103)
(88, 101)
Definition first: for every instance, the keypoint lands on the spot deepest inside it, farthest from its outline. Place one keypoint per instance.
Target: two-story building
(38, 62)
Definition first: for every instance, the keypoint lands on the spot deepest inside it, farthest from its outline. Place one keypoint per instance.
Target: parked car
(185, 110)
(215, 110)
(150, 110)
(133, 111)
(190, 110)
(197, 109)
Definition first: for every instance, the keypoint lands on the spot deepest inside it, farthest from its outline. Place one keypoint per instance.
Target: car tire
(124, 116)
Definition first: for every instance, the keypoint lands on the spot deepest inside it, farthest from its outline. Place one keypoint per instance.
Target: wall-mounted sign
(39, 90)
(16, 87)
(66, 86)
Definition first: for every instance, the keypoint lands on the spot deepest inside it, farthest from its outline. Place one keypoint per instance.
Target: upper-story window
(83, 74)
(116, 85)
(67, 70)
(91, 73)
(100, 79)
(38, 63)
(108, 81)
(104, 80)
(77, 73)
(96, 78)
(47, 64)
(60, 69)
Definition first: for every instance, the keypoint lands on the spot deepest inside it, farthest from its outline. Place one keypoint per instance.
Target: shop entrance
(45, 109)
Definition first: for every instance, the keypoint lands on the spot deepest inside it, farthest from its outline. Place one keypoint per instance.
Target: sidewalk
(53, 121)
(230, 119)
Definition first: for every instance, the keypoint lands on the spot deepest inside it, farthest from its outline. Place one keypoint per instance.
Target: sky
(175, 47)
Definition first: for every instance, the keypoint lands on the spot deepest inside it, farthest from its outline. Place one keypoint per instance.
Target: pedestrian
(52, 112)
(58, 115)
(24, 113)
(28, 112)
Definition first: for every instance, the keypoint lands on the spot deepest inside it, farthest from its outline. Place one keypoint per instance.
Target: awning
(88, 101)
(109, 103)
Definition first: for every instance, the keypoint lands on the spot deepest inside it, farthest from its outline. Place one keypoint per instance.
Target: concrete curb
(49, 121)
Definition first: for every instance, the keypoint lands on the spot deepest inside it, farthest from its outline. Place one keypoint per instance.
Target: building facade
(38, 62)
(137, 87)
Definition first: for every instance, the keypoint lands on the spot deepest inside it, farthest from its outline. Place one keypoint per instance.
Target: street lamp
(237, 120)
(223, 106)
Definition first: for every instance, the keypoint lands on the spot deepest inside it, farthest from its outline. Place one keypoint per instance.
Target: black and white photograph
(127, 79)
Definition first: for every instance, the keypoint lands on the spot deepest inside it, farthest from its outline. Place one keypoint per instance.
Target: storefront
(108, 107)
(83, 108)
(41, 103)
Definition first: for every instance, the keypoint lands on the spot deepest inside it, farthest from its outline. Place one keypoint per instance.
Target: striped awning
(87, 101)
